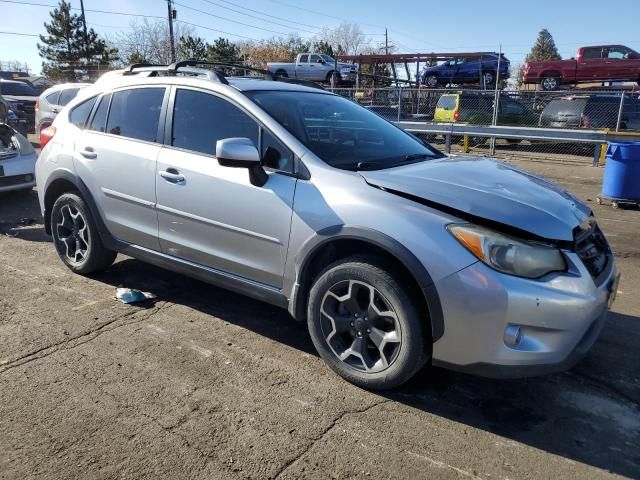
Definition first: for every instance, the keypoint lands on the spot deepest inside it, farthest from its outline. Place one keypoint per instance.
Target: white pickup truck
(315, 67)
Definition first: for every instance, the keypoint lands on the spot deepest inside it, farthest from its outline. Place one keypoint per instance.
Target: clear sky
(426, 26)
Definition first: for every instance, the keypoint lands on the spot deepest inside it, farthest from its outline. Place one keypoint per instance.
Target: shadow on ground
(586, 415)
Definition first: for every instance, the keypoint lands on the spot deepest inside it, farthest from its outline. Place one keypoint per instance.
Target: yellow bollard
(465, 144)
(603, 154)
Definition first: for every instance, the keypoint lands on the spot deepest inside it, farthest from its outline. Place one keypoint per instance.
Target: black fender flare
(382, 241)
(107, 239)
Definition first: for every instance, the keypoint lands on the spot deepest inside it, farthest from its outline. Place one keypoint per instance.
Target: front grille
(15, 180)
(592, 247)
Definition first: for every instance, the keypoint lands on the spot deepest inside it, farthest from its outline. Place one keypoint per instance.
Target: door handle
(88, 152)
(172, 175)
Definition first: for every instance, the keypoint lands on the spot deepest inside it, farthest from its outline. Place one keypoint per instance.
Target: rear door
(116, 157)
(213, 215)
(592, 65)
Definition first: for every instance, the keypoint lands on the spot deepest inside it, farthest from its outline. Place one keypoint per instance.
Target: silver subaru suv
(396, 255)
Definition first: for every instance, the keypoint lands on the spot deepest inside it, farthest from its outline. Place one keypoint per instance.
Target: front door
(116, 158)
(213, 215)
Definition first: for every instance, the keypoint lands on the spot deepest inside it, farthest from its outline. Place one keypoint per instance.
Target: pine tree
(544, 49)
(67, 56)
(191, 48)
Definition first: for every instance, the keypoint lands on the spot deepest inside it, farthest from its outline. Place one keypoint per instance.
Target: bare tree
(346, 38)
(148, 41)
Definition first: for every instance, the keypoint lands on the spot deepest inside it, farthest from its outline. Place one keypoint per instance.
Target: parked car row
(574, 111)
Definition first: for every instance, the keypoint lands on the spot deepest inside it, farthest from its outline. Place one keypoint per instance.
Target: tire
(378, 353)
(75, 236)
(337, 75)
(282, 74)
(488, 79)
(550, 83)
(431, 81)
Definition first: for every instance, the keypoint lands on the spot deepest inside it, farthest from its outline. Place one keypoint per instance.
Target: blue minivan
(477, 68)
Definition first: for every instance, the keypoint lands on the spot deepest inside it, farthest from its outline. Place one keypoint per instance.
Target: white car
(17, 161)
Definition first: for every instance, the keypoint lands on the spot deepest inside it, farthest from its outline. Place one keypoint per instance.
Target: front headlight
(508, 254)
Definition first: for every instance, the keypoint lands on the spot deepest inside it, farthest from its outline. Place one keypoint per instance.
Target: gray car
(51, 102)
(22, 98)
(394, 254)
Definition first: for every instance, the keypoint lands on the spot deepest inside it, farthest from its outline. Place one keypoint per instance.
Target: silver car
(17, 161)
(394, 254)
(52, 101)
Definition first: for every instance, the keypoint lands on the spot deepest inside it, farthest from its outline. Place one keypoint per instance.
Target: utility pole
(173, 46)
(386, 42)
(84, 26)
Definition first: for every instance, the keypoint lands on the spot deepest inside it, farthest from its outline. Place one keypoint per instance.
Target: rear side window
(135, 113)
(52, 98)
(201, 119)
(67, 95)
(592, 53)
(571, 107)
(99, 120)
(304, 58)
(447, 102)
(80, 114)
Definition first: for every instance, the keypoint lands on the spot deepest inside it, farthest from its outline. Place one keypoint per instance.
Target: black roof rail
(190, 66)
(129, 68)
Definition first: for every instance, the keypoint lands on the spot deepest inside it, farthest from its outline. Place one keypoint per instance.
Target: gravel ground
(203, 383)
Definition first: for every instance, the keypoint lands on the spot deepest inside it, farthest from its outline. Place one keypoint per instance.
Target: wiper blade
(416, 156)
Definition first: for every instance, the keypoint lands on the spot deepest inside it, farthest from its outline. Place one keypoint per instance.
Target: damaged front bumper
(17, 160)
(502, 326)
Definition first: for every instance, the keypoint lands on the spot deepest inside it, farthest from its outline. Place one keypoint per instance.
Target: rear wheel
(282, 74)
(550, 83)
(488, 79)
(365, 326)
(76, 237)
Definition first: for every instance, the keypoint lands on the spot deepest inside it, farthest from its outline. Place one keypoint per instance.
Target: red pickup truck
(601, 63)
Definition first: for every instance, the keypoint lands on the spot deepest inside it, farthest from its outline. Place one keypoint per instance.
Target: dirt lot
(204, 383)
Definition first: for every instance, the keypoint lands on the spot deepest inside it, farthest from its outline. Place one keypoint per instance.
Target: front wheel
(365, 326)
(76, 237)
(431, 81)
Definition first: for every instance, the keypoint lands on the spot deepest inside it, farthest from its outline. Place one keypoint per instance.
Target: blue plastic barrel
(622, 171)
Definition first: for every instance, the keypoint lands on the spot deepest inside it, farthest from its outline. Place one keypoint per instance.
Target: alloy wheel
(73, 234)
(549, 83)
(432, 81)
(360, 327)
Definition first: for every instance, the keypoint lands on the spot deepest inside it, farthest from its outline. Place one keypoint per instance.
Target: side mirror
(241, 153)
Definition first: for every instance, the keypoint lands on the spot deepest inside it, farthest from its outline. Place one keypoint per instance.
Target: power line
(229, 20)
(262, 19)
(20, 34)
(262, 13)
(215, 30)
(86, 9)
(321, 13)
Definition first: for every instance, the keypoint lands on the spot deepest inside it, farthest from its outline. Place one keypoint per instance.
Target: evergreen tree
(191, 48)
(544, 49)
(67, 56)
(222, 50)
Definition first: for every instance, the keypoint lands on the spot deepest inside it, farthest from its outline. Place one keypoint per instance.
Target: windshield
(17, 89)
(341, 132)
(328, 59)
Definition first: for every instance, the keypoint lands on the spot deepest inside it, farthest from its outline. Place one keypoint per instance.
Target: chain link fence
(532, 113)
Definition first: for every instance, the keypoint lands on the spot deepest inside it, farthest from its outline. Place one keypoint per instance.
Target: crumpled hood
(490, 190)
